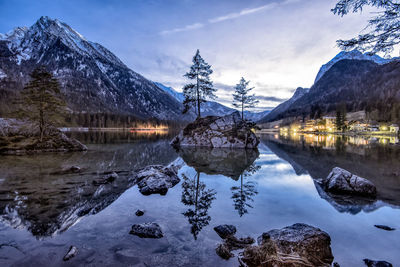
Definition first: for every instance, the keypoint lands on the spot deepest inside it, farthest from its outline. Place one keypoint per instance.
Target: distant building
(330, 123)
(394, 128)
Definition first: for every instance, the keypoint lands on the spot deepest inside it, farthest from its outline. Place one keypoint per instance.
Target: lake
(43, 213)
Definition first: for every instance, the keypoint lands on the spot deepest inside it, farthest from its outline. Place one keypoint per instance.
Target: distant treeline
(112, 120)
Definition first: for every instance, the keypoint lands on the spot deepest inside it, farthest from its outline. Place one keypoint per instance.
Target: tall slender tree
(241, 98)
(41, 100)
(201, 88)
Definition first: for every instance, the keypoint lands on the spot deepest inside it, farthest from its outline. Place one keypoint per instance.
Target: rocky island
(228, 131)
(19, 137)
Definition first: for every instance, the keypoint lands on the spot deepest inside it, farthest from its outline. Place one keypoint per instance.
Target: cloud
(241, 13)
(271, 98)
(183, 29)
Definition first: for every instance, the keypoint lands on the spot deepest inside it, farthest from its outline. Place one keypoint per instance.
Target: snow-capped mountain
(92, 78)
(212, 108)
(354, 54)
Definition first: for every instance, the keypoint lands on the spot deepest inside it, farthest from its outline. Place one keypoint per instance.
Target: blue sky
(276, 44)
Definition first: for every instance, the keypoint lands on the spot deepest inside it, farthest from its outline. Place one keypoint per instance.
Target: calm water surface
(42, 213)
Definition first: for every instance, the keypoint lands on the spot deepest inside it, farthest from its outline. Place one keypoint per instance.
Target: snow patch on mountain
(2, 74)
(355, 55)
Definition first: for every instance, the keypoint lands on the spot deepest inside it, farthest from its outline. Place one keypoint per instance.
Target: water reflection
(195, 194)
(318, 154)
(34, 197)
(224, 161)
(245, 193)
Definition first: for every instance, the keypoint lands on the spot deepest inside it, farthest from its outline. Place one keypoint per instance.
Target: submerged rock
(228, 131)
(68, 170)
(156, 179)
(225, 230)
(372, 263)
(384, 227)
(295, 245)
(231, 243)
(22, 137)
(71, 253)
(147, 230)
(340, 181)
(108, 178)
(139, 212)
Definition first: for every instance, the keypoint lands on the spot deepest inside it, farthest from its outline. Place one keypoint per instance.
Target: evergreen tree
(41, 100)
(241, 97)
(384, 28)
(202, 88)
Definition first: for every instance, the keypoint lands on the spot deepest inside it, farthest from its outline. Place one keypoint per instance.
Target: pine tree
(202, 88)
(383, 28)
(241, 97)
(41, 100)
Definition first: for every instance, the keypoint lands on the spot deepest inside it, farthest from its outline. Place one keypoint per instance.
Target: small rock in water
(139, 212)
(384, 227)
(372, 263)
(71, 253)
(225, 230)
(147, 230)
(335, 264)
(155, 179)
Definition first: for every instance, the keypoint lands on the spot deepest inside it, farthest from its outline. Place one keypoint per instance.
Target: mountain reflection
(32, 196)
(317, 155)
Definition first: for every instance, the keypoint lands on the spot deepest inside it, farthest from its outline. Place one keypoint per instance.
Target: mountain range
(92, 78)
(359, 81)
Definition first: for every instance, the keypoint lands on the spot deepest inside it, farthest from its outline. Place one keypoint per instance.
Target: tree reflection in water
(244, 193)
(195, 194)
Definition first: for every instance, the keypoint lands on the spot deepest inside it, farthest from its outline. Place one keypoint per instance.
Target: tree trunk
(242, 113)
(198, 98)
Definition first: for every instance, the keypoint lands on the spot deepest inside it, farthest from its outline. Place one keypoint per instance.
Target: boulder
(372, 263)
(22, 137)
(228, 131)
(295, 245)
(340, 181)
(156, 179)
(147, 230)
(225, 230)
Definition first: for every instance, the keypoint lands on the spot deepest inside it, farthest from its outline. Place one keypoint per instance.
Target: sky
(278, 45)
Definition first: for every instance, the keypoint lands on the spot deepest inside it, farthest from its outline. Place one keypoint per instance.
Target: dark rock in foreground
(147, 230)
(340, 181)
(156, 179)
(139, 213)
(228, 131)
(225, 230)
(372, 263)
(22, 137)
(296, 245)
(71, 253)
(384, 227)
